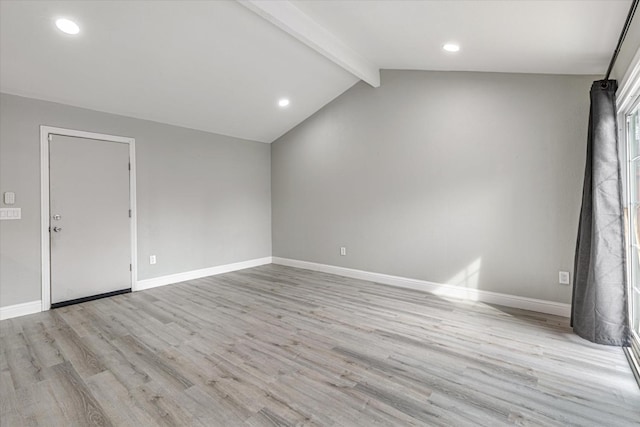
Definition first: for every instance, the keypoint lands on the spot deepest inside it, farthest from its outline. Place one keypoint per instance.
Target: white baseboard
(541, 306)
(443, 290)
(23, 309)
(197, 274)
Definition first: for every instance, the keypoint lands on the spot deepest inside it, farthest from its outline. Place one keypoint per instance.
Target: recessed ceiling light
(283, 102)
(451, 47)
(67, 26)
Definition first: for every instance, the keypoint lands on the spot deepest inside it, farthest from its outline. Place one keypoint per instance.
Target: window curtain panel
(599, 307)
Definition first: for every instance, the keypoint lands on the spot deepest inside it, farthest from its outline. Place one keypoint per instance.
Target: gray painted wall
(473, 179)
(203, 199)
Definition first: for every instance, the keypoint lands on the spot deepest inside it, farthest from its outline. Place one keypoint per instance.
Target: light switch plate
(9, 198)
(10, 213)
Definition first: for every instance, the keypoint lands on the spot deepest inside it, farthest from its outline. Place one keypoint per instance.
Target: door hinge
(130, 267)
(129, 165)
(129, 213)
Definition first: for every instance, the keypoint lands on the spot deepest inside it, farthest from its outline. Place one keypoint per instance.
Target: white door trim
(45, 131)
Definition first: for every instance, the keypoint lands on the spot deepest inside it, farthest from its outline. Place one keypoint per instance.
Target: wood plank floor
(274, 345)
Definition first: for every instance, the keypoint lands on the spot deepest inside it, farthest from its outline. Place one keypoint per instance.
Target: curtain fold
(599, 307)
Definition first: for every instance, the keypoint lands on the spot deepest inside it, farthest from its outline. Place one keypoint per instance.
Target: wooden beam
(286, 16)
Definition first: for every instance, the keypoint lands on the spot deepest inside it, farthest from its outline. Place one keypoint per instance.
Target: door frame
(45, 214)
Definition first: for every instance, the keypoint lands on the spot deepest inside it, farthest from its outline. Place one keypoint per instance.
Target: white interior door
(90, 233)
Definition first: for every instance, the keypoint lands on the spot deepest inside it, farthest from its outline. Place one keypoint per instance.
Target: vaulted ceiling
(222, 66)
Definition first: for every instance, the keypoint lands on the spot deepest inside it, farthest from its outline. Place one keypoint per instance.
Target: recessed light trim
(283, 102)
(451, 47)
(67, 26)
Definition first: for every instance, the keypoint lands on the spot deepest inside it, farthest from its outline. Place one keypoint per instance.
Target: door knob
(56, 229)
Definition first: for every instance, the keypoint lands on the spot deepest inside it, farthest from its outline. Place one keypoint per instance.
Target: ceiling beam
(286, 16)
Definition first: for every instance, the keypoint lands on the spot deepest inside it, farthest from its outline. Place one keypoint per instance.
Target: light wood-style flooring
(278, 346)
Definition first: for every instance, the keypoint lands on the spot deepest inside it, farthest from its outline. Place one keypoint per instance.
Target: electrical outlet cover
(564, 278)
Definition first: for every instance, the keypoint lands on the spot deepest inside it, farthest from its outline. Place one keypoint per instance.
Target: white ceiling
(539, 36)
(213, 66)
(218, 66)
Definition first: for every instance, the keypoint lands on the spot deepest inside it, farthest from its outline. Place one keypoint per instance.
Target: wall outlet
(564, 278)
(343, 251)
(152, 259)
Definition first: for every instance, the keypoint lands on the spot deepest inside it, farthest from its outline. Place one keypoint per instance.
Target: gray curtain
(599, 309)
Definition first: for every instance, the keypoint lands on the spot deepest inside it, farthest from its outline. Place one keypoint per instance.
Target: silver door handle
(56, 229)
